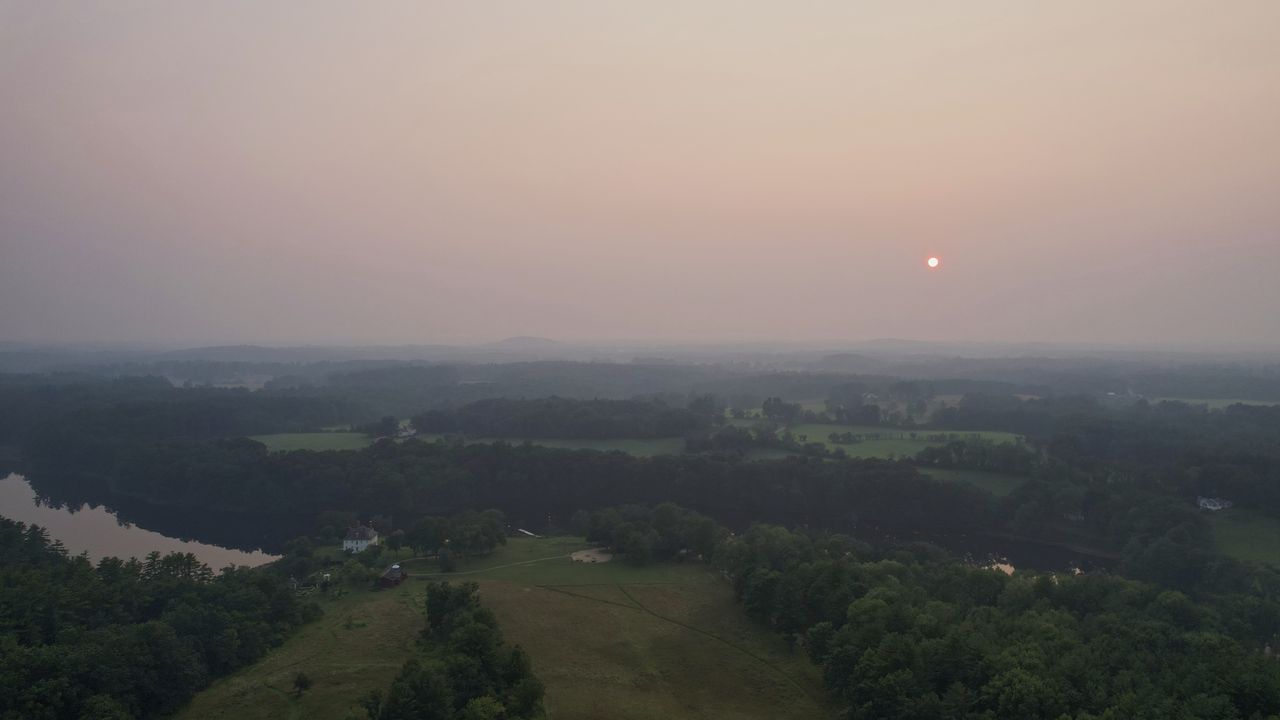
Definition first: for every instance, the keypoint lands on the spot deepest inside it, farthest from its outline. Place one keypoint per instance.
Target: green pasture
(1247, 536)
(607, 639)
(284, 442)
(640, 447)
(883, 442)
(360, 644)
(994, 483)
(1217, 403)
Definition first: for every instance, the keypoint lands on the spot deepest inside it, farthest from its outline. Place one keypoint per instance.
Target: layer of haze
(424, 172)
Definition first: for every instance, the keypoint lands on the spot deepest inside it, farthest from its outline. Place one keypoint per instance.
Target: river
(97, 531)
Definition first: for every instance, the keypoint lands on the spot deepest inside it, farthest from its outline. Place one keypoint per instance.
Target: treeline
(461, 536)
(643, 535)
(556, 417)
(1166, 447)
(40, 411)
(466, 671)
(984, 455)
(125, 638)
(915, 636)
(528, 483)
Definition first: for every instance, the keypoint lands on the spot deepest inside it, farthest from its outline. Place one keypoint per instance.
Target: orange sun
(933, 262)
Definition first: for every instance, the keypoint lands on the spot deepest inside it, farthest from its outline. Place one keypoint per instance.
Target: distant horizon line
(515, 341)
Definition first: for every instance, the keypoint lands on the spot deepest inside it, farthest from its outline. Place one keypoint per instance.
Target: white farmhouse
(1213, 503)
(359, 538)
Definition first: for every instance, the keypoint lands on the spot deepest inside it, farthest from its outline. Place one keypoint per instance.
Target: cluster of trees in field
(642, 534)
(731, 440)
(466, 671)
(125, 638)
(913, 635)
(556, 417)
(466, 535)
(984, 455)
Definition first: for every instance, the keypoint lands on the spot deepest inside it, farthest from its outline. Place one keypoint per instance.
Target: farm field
(994, 483)
(359, 644)
(643, 447)
(283, 442)
(1247, 536)
(640, 447)
(608, 640)
(661, 641)
(1218, 403)
(884, 442)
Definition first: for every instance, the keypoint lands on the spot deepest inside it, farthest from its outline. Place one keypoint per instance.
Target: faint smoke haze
(423, 172)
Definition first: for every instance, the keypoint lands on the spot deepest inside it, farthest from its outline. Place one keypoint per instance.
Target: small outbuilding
(393, 577)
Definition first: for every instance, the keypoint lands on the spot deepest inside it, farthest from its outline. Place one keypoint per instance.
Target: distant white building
(359, 538)
(1214, 504)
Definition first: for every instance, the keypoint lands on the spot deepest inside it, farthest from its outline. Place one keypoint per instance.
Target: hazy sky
(418, 172)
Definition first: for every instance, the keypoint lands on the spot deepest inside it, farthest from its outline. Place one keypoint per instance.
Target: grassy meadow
(284, 442)
(1218, 403)
(994, 483)
(883, 442)
(662, 641)
(609, 641)
(1247, 536)
(640, 447)
(359, 644)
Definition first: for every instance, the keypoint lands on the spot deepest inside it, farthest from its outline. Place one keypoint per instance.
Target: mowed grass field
(1247, 536)
(1218, 403)
(883, 442)
(640, 447)
(640, 643)
(283, 442)
(644, 447)
(609, 641)
(360, 644)
(994, 483)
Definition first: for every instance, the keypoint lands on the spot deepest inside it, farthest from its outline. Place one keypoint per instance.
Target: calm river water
(98, 532)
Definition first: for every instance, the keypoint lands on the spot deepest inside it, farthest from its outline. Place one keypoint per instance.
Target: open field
(883, 442)
(662, 641)
(283, 442)
(359, 644)
(640, 447)
(609, 640)
(994, 483)
(1247, 536)
(1218, 403)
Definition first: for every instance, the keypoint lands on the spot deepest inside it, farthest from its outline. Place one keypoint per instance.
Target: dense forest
(125, 638)
(915, 635)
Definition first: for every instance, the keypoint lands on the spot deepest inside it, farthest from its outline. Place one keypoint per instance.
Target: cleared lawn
(994, 483)
(1219, 403)
(359, 644)
(662, 641)
(609, 641)
(1247, 536)
(283, 442)
(640, 447)
(883, 442)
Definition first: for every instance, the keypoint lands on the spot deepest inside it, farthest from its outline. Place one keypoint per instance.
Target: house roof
(361, 532)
